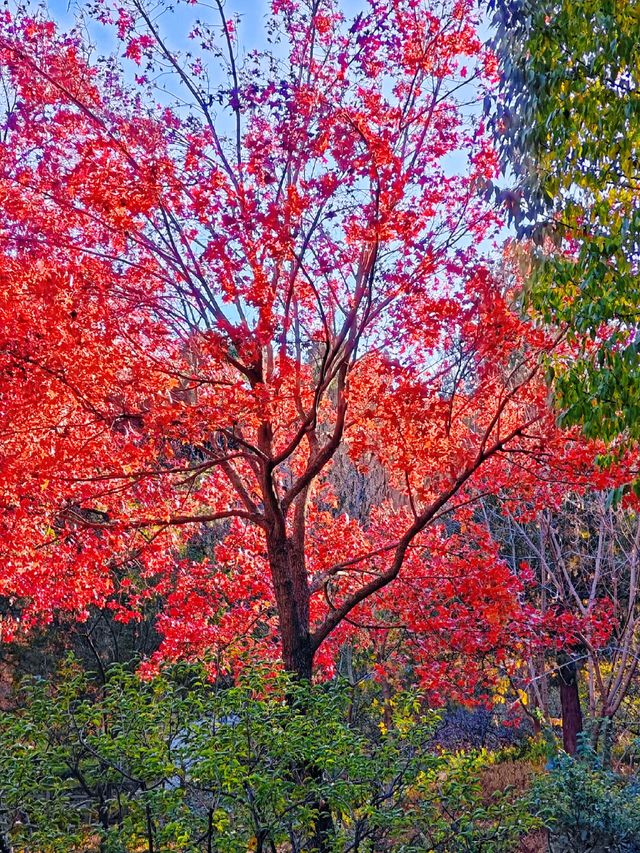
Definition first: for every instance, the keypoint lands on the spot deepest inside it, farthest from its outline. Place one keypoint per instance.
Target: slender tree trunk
(607, 742)
(570, 703)
(537, 725)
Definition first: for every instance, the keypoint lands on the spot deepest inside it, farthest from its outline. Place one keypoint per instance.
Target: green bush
(587, 808)
(179, 764)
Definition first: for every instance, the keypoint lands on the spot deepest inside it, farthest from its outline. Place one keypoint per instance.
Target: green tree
(567, 119)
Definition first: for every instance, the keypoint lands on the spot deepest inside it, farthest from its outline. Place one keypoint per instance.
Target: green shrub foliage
(588, 809)
(177, 763)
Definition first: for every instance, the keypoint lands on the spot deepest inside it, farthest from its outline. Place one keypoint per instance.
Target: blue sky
(177, 24)
(252, 12)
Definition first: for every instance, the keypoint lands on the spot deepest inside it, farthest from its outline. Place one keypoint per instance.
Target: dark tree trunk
(291, 588)
(570, 703)
(5, 842)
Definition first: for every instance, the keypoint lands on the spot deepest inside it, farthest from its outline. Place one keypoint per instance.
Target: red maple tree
(217, 294)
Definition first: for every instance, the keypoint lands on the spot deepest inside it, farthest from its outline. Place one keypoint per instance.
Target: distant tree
(582, 555)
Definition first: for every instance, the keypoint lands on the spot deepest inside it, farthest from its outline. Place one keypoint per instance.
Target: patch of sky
(176, 20)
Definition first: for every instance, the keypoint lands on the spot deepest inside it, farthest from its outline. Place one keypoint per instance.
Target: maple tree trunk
(291, 588)
(570, 703)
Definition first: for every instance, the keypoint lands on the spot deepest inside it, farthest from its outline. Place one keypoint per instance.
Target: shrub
(180, 764)
(587, 808)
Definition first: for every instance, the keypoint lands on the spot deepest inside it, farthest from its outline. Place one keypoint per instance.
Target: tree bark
(291, 588)
(570, 703)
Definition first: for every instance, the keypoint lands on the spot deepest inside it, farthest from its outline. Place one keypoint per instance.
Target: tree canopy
(211, 296)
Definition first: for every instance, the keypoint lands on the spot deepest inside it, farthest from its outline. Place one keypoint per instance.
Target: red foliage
(202, 304)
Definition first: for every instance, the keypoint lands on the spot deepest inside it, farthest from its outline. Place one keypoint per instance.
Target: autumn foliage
(234, 285)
